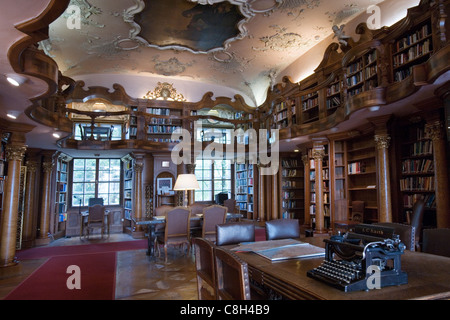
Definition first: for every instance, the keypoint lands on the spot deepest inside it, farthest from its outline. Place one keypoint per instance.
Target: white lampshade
(186, 182)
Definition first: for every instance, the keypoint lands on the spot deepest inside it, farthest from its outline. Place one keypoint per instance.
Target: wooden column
(28, 233)
(436, 133)
(14, 155)
(318, 153)
(261, 195)
(307, 189)
(44, 221)
(383, 178)
(275, 196)
(138, 167)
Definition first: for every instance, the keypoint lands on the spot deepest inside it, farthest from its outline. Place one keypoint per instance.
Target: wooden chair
(234, 233)
(161, 211)
(196, 225)
(282, 229)
(212, 216)
(176, 232)
(96, 219)
(230, 204)
(232, 279)
(206, 270)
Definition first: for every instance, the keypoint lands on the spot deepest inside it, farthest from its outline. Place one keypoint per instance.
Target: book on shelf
(417, 183)
(158, 111)
(417, 166)
(413, 38)
(356, 167)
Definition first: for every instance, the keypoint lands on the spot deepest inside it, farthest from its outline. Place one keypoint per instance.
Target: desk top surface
(428, 276)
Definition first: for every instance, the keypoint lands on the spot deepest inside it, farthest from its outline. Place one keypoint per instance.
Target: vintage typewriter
(353, 260)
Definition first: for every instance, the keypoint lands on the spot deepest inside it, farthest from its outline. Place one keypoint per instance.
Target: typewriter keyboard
(338, 271)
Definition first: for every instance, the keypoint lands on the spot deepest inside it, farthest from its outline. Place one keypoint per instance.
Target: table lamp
(184, 183)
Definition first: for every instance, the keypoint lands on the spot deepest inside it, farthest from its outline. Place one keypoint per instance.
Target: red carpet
(43, 252)
(49, 282)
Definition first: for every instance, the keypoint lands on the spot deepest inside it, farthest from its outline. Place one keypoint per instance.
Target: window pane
(103, 164)
(91, 164)
(87, 197)
(207, 196)
(103, 188)
(78, 188)
(78, 164)
(115, 164)
(78, 176)
(89, 176)
(103, 176)
(114, 199)
(89, 188)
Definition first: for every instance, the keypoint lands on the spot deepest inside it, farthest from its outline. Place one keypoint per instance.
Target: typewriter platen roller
(354, 260)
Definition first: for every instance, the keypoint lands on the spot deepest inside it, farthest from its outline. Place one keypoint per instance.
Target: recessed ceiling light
(374, 108)
(296, 150)
(11, 116)
(13, 82)
(56, 135)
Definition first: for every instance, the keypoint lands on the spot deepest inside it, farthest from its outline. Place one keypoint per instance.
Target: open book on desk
(281, 249)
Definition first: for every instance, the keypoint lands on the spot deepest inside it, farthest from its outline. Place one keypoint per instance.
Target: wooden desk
(151, 224)
(428, 278)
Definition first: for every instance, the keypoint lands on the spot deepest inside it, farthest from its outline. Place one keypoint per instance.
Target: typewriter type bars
(352, 260)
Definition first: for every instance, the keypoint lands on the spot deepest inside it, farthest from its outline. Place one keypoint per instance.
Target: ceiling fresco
(239, 44)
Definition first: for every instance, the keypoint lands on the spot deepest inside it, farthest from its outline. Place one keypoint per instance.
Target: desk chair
(196, 225)
(212, 216)
(234, 233)
(232, 279)
(206, 270)
(96, 219)
(436, 241)
(282, 229)
(230, 204)
(161, 211)
(176, 231)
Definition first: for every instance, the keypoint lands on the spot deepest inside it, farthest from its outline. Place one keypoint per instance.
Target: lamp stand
(185, 198)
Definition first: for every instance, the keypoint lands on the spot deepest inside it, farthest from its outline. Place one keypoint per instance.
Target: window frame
(212, 179)
(97, 182)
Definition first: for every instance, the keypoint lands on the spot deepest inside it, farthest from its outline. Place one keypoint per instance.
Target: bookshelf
(285, 113)
(334, 96)
(61, 197)
(161, 127)
(128, 162)
(132, 125)
(361, 175)
(245, 189)
(412, 48)
(324, 180)
(292, 188)
(3, 172)
(417, 180)
(310, 106)
(338, 172)
(362, 74)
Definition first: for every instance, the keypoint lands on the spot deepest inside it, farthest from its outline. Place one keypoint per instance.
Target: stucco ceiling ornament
(225, 10)
(164, 91)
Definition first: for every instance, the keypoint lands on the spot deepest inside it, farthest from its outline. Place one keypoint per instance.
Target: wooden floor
(137, 276)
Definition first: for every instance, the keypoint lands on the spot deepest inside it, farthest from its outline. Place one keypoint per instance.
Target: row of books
(356, 167)
(241, 175)
(62, 187)
(413, 53)
(161, 121)
(326, 198)
(402, 74)
(165, 140)
(290, 173)
(334, 88)
(290, 163)
(417, 166)
(421, 148)
(291, 184)
(241, 198)
(241, 189)
(240, 166)
(292, 204)
(410, 199)
(310, 103)
(355, 79)
(413, 38)
(333, 102)
(370, 71)
(289, 194)
(281, 116)
(158, 111)
(417, 184)
(161, 129)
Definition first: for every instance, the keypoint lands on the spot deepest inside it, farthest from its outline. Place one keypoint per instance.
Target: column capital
(31, 166)
(305, 160)
(48, 166)
(138, 167)
(15, 152)
(382, 141)
(318, 153)
(435, 130)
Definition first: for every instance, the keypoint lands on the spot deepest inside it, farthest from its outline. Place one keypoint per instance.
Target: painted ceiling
(237, 44)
